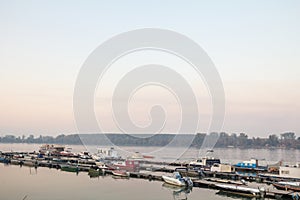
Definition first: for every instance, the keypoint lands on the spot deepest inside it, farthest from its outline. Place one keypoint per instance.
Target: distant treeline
(241, 140)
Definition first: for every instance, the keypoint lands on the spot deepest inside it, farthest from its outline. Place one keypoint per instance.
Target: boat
(127, 165)
(250, 165)
(67, 152)
(52, 149)
(84, 155)
(136, 156)
(69, 168)
(120, 173)
(185, 171)
(101, 165)
(223, 168)
(148, 157)
(205, 162)
(94, 172)
(293, 186)
(242, 190)
(106, 154)
(4, 160)
(290, 171)
(177, 180)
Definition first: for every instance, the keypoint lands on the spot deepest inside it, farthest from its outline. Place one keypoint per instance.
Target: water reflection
(179, 193)
(33, 171)
(236, 196)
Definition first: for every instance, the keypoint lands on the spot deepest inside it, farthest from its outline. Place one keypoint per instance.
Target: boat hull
(286, 187)
(120, 173)
(173, 181)
(68, 168)
(240, 190)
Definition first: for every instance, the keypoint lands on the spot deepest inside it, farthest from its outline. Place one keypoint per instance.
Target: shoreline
(139, 146)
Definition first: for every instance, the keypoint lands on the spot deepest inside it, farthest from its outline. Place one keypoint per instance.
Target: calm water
(51, 184)
(229, 155)
(43, 183)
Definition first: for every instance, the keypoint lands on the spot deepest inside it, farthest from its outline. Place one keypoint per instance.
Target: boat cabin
(108, 153)
(51, 149)
(290, 171)
(253, 163)
(205, 162)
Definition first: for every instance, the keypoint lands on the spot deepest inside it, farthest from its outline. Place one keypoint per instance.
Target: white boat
(255, 192)
(48, 149)
(120, 173)
(177, 180)
(136, 156)
(293, 186)
(106, 154)
(290, 171)
(205, 162)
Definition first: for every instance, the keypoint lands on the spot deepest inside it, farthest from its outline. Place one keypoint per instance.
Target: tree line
(241, 140)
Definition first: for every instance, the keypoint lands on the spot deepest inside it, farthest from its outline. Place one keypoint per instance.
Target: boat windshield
(177, 175)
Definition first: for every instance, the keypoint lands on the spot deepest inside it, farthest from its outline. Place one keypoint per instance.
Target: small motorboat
(293, 186)
(120, 173)
(178, 180)
(69, 168)
(4, 160)
(242, 190)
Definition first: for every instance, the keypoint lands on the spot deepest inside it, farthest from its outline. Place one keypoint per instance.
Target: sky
(254, 45)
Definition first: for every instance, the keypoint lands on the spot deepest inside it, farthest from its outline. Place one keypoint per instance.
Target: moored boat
(127, 165)
(94, 172)
(120, 173)
(177, 180)
(109, 154)
(242, 190)
(250, 165)
(69, 168)
(52, 149)
(293, 186)
(148, 157)
(136, 156)
(205, 163)
(4, 160)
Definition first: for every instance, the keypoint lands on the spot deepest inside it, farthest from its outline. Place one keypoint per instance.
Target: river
(50, 184)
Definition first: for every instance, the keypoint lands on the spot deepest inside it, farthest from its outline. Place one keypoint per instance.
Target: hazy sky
(255, 46)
